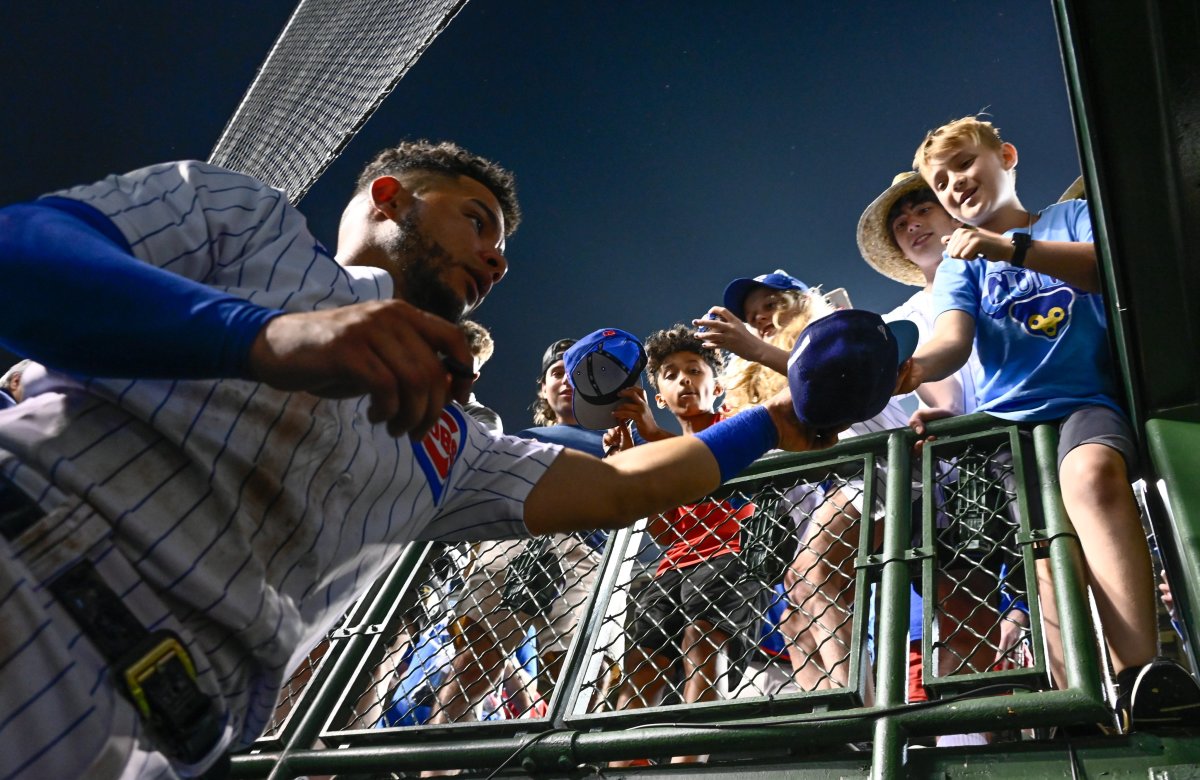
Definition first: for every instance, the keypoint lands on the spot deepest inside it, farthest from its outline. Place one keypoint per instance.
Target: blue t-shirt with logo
(1042, 343)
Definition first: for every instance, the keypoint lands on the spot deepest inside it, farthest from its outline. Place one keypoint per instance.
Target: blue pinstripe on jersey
(226, 495)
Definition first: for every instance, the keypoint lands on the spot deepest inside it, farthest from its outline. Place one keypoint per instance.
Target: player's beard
(421, 263)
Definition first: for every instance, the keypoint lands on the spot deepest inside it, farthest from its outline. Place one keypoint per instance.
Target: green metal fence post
(891, 647)
(1080, 650)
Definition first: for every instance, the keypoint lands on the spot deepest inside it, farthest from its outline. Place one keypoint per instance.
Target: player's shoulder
(218, 179)
(165, 179)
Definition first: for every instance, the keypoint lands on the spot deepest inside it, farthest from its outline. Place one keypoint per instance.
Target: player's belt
(152, 669)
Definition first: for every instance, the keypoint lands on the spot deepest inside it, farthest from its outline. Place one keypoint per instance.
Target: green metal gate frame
(565, 740)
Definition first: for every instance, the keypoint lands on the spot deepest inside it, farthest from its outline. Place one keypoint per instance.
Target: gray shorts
(1098, 425)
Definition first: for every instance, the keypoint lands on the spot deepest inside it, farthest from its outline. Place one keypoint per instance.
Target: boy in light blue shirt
(1025, 289)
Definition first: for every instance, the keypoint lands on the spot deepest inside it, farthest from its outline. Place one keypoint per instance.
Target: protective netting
(333, 64)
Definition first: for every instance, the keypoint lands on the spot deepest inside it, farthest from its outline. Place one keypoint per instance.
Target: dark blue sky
(661, 148)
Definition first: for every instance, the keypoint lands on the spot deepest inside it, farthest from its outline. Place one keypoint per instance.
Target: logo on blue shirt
(1046, 314)
(1039, 304)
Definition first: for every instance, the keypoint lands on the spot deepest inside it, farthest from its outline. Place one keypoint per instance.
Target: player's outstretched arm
(390, 350)
(79, 302)
(579, 492)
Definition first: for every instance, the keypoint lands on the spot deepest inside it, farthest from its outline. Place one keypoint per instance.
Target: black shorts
(1098, 425)
(717, 591)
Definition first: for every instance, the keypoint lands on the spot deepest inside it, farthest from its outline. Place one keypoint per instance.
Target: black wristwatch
(1020, 242)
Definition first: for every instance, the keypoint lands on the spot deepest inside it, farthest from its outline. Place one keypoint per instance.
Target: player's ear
(718, 388)
(658, 399)
(1008, 156)
(390, 198)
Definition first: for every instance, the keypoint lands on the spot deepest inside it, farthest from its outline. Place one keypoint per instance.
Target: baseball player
(237, 434)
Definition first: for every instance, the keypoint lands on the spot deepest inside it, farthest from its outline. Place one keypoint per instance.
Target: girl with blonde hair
(760, 322)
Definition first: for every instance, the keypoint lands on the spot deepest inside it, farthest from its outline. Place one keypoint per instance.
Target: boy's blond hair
(952, 135)
(748, 383)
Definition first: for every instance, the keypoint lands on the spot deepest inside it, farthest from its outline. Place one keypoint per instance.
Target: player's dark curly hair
(448, 159)
(661, 344)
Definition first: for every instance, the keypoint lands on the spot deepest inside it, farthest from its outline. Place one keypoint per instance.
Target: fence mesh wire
(329, 70)
(980, 616)
(482, 636)
(752, 594)
(747, 596)
(765, 590)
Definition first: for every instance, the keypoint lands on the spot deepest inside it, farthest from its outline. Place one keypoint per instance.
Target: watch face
(1020, 242)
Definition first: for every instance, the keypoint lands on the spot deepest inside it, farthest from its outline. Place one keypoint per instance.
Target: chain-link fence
(980, 571)
(767, 597)
(482, 635)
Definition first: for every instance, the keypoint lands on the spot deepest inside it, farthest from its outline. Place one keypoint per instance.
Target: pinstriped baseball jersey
(245, 518)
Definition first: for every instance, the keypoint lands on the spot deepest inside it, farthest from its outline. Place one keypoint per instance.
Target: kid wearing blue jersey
(1024, 288)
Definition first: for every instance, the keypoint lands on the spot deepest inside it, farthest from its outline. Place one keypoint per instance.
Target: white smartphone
(839, 298)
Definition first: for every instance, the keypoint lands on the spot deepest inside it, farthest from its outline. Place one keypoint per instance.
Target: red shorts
(916, 691)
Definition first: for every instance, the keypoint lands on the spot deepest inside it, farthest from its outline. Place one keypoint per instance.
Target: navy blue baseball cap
(599, 366)
(738, 289)
(844, 366)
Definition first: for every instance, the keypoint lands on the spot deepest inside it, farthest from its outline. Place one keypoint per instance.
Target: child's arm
(1074, 262)
(722, 330)
(945, 352)
(945, 395)
(637, 408)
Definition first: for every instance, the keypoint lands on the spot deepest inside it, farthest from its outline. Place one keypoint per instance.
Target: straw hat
(875, 240)
(1075, 192)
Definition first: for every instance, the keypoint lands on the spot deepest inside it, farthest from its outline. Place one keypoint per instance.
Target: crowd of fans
(1011, 322)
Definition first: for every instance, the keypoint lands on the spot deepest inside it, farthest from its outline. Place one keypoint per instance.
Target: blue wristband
(740, 440)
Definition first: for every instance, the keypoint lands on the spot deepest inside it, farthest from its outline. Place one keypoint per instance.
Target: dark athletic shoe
(1164, 695)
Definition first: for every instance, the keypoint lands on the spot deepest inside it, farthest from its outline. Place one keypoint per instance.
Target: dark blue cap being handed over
(737, 290)
(844, 366)
(599, 366)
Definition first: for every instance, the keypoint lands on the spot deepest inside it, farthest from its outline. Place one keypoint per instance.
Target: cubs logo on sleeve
(439, 450)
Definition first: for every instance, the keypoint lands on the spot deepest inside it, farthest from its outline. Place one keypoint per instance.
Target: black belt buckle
(152, 669)
(159, 678)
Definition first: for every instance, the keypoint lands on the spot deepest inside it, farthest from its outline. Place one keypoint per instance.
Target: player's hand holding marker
(400, 356)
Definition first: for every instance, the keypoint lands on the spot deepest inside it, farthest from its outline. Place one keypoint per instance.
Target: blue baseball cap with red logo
(599, 366)
(738, 289)
(844, 366)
